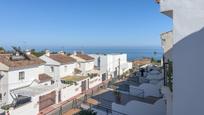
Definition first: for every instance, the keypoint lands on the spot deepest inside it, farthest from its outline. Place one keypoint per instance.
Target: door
(104, 77)
(83, 86)
(47, 100)
(59, 96)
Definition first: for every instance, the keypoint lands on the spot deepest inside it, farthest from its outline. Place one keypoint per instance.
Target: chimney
(47, 53)
(28, 52)
(74, 53)
(61, 52)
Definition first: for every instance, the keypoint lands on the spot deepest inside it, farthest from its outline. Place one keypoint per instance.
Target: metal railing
(108, 110)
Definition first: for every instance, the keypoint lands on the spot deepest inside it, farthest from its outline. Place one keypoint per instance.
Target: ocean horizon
(132, 52)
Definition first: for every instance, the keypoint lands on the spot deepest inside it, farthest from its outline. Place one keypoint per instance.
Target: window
(52, 69)
(65, 68)
(21, 75)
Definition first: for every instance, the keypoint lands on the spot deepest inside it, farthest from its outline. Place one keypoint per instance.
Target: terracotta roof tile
(6, 59)
(44, 78)
(63, 59)
(85, 57)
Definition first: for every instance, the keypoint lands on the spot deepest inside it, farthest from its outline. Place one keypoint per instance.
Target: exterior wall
(188, 73)
(140, 108)
(103, 59)
(167, 44)
(63, 72)
(147, 89)
(31, 74)
(4, 88)
(31, 108)
(86, 66)
(110, 62)
(68, 92)
(95, 81)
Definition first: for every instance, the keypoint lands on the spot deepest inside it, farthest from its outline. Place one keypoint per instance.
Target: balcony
(166, 7)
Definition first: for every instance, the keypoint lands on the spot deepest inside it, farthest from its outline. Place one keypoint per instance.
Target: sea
(132, 52)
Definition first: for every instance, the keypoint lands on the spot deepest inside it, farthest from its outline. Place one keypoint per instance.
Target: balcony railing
(21, 100)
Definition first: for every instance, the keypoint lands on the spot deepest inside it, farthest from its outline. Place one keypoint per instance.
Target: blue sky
(65, 23)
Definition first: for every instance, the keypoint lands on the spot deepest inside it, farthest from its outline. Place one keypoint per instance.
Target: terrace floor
(74, 78)
(107, 98)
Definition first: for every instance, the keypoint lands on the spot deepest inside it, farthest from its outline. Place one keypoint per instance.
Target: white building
(167, 44)
(112, 64)
(19, 75)
(58, 65)
(85, 62)
(188, 33)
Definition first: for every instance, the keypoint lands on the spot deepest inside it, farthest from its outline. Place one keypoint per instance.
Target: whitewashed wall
(149, 90)
(140, 108)
(70, 91)
(86, 66)
(70, 69)
(188, 32)
(31, 74)
(4, 88)
(94, 81)
(31, 108)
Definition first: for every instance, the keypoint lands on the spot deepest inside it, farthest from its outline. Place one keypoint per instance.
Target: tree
(87, 112)
(37, 53)
(170, 75)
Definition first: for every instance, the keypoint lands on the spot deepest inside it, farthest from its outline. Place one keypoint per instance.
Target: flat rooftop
(107, 98)
(33, 91)
(74, 78)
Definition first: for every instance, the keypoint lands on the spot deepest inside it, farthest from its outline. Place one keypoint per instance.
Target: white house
(85, 62)
(188, 33)
(112, 64)
(22, 72)
(58, 65)
(87, 68)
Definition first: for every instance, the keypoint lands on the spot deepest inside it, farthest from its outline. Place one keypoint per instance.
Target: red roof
(32, 61)
(63, 59)
(85, 57)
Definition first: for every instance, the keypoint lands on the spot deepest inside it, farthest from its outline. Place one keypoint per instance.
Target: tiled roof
(63, 59)
(85, 57)
(6, 59)
(44, 78)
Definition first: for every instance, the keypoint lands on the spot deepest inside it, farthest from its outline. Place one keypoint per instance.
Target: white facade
(140, 108)
(167, 44)
(114, 64)
(56, 69)
(84, 65)
(188, 33)
(11, 81)
(68, 92)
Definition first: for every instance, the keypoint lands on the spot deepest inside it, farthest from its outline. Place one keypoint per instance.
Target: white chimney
(61, 52)
(75, 53)
(47, 53)
(28, 52)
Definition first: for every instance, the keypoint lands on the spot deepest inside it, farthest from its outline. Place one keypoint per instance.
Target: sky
(83, 23)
